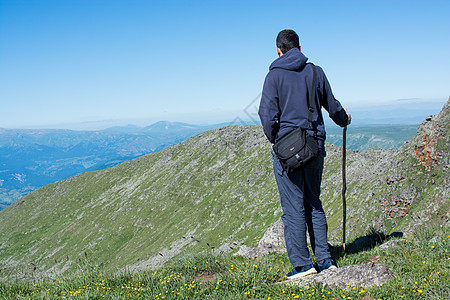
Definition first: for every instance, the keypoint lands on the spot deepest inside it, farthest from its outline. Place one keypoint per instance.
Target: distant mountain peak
(166, 125)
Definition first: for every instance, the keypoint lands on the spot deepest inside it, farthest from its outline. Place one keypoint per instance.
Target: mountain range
(30, 159)
(215, 192)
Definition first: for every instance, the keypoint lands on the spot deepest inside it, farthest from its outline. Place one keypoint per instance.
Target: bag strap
(312, 95)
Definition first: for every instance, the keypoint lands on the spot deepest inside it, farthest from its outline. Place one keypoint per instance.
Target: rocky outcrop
(365, 275)
(430, 135)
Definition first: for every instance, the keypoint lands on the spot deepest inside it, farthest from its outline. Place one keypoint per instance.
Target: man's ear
(300, 48)
(279, 52)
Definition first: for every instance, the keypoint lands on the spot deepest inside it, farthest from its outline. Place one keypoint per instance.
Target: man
(284, 107)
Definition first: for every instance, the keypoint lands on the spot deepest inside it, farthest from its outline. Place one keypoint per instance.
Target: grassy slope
(419, 263)
(200, 188)
(215, 188)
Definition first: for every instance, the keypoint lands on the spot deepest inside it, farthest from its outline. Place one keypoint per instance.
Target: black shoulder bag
(296, 148)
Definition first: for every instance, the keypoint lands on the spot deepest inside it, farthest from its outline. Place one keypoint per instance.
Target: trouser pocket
(276, 164)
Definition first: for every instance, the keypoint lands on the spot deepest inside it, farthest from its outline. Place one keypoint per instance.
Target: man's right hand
(349, 117)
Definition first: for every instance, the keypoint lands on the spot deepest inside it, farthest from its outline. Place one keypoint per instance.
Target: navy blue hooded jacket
(284, 98)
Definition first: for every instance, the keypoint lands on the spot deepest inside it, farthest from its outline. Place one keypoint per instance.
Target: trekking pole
(344, 184)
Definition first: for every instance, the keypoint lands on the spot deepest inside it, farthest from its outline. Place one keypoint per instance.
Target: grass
(420, 265)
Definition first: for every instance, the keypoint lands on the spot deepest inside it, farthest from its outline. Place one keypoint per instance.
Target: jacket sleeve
(332, 106)
(269, 111)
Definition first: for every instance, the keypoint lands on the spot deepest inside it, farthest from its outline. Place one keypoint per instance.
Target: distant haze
(399, 112)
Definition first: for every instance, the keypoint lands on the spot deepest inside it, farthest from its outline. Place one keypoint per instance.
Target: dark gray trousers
(302, 210)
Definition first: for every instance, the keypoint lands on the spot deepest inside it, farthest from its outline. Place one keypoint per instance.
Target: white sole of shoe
(303, 274)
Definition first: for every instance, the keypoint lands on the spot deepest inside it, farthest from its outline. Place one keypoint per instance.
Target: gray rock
(390, 245)
(364, 275)
(272, 241)
(274, 236)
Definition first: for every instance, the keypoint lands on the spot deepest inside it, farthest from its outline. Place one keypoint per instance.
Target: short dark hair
(287, 39)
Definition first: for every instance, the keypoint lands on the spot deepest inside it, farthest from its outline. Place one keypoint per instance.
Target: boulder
(272, 241)
(274, 236)
(364, 275)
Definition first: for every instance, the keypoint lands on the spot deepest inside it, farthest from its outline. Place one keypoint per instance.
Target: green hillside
(216, 187)
(213, 193)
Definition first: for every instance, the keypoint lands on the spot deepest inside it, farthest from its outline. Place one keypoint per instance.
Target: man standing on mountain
(283, 108)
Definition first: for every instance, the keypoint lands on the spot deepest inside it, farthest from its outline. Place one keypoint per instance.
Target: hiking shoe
(327, 263)
(301, 272)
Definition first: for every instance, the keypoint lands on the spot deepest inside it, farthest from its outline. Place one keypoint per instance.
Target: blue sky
(101, 63)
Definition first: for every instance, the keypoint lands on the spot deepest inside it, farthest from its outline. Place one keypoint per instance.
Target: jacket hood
(292, 60)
